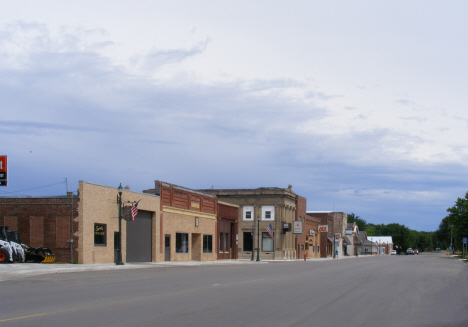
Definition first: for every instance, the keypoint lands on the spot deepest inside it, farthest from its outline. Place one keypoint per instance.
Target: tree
(361, 223)
(455, 223)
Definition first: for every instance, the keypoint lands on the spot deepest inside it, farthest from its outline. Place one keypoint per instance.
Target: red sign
(323, 228)
(3, 164)
(3, 171)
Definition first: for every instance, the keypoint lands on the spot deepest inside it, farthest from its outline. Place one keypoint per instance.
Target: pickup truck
(409, 251)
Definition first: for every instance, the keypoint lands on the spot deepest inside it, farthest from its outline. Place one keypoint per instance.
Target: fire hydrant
(305, 256)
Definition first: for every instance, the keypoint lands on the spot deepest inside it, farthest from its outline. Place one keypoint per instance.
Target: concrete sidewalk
(19, 270)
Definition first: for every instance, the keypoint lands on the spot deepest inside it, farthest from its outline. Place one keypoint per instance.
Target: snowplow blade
(40, 255)
(49, 259)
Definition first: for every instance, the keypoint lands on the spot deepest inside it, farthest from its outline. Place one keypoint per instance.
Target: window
(207, 243)
(268, 213)
(100, 234)
(267, 242)
(318, 248)
(181, 243)
(248, 213)
(224, 243)
(248, 241)
(221, 241)
(227, 244)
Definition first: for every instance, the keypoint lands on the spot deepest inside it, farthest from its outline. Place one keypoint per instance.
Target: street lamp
(451, 234)
(119, 249)
(258, 238)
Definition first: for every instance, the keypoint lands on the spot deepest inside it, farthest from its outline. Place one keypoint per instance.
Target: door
(167, 247)
(139, 238)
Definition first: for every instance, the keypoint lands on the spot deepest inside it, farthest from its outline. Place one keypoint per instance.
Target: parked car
(393, 252)
(409, 251)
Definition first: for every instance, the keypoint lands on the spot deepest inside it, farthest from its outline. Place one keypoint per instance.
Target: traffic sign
(464, 240)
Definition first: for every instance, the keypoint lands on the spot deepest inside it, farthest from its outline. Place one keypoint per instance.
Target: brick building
(43, 222)
(337, 223)
(259, 209)
(308, 242)
(189, 224)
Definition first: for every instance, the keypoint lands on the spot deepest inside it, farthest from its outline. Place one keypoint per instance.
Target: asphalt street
(424, 290)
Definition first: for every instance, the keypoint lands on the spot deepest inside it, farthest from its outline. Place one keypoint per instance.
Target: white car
(393, 252)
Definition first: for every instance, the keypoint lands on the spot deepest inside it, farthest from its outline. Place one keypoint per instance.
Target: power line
(31, 189)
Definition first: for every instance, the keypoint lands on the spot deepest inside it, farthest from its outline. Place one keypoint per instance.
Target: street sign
(464, 240)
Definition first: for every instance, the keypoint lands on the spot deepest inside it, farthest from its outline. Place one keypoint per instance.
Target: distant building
(333, 236)
(384, 244)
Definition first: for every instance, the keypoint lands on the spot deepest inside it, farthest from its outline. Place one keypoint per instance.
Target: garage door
(139, 237)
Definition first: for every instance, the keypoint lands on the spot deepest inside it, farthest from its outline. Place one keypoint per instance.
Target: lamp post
(451, 234)
(119, 249)
(258, 238)
(253, 238)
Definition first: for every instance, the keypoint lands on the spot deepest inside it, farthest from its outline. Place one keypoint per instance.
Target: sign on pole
(3, 171)
(323, 228)
(298, 227)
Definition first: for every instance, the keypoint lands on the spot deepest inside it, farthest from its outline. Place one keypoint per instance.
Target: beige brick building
(98, 223)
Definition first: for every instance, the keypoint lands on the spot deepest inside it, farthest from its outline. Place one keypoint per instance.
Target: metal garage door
(139, 237)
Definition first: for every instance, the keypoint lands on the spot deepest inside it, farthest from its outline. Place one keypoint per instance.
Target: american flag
(134, 210)
(270, 231)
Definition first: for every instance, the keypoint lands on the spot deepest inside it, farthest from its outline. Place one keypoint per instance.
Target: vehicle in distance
(409, 251)
(416, 251)
(393, 252)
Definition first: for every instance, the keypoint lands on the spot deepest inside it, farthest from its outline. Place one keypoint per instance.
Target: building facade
(259, 210)
(43, 222)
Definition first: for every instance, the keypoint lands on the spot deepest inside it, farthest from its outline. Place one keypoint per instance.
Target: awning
(347, 241)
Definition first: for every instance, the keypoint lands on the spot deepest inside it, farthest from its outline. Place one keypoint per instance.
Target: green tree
(361, 223)
(455, 223)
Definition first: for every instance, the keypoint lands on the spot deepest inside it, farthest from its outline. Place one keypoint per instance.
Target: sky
(359, 105)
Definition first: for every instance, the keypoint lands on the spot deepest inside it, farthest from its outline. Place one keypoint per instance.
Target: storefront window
(267, 242)
(207, 243)
(100, 234)
(181, 243)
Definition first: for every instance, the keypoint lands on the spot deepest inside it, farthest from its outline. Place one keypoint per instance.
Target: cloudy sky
(359, 105)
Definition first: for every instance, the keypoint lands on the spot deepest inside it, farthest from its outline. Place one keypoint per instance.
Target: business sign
(349, 231)
(323, 228)
(3, 171)
(311, 232)
(298, 227)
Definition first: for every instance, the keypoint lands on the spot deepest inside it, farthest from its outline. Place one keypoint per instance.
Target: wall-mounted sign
(298, 227)
(3, 171)
(311, 232)
(349, 231)
(323, 228)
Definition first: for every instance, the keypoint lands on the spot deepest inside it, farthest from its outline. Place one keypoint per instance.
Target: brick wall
(42, 222)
